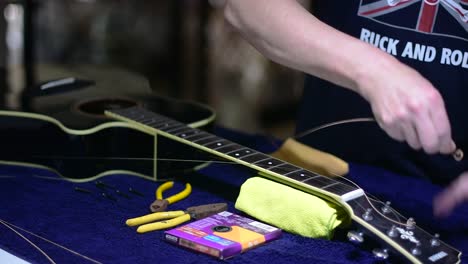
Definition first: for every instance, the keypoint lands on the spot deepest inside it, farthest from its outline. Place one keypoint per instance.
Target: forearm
(288, 34)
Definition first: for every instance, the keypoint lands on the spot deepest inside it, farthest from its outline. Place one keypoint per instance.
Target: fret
(269, 163)
(152, 122)
(320, 181)
(340, 188)
(242, 153)
(225, 145)
(141, 118)
(189, 134)
(176, 130)
(206, 140)
(160, 119)
(330, 185)
(129, 114)
(138, 117)
(157, 123)
(168, 126)
(182, 132)
(199, 135)
(302, 175)
(139, 111)
(230, 148)
(255, 158)
(217, 144)
(156, 116)
(285, 169)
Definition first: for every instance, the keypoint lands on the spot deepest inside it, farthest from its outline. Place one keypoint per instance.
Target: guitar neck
(271, 167)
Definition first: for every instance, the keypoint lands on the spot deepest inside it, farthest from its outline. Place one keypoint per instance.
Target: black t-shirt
(431, 36)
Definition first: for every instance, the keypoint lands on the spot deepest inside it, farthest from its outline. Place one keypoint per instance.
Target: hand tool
(160, 204)
(174, 218)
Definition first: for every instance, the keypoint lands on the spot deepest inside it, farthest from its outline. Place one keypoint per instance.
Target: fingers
(411, 135)
(439, 117)
(394, 132)
(426, 128)
(418, 131)
(432, 125)
(410, 109)
(430, 135)
(455, 194)
(427, 133)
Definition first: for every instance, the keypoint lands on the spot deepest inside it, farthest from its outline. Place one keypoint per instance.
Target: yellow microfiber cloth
(290, 209)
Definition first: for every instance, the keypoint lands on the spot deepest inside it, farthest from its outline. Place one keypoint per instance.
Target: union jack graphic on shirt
(428, 13)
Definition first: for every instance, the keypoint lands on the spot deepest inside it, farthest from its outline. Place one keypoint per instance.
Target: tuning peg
(381, 254)
(435, 240)
(410, 223)
(368, 215)
(416, 250)
(386, 208)
(355, 237)
(392, 232)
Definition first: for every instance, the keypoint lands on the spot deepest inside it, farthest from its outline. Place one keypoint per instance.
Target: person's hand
(453, 195)
(408, 108)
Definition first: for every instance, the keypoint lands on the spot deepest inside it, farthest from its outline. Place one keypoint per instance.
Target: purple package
(222, 235)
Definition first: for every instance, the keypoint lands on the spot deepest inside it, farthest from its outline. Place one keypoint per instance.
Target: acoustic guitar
(400, 237)
(67, 132)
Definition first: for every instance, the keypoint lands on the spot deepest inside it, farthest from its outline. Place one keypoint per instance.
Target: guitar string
(234, 163)
(297, 136)
(6, 224)
(307, 132)
(457, 155)
(133, 158)
(367, 196)
(339, 122)
(10, 226)
(92, 260)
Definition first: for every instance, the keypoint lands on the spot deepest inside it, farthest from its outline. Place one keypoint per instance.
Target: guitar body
(70, 134)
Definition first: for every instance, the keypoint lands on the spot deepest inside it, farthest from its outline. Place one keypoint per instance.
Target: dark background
(184, 49)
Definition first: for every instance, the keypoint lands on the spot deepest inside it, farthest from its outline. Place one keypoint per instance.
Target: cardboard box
(222, 235)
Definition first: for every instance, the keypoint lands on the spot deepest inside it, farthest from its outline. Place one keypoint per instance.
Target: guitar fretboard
(235, 152)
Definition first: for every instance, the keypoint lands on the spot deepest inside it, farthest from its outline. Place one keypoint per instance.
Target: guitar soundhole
(96, 107)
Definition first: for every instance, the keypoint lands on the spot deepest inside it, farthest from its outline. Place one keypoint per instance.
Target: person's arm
(404, 103)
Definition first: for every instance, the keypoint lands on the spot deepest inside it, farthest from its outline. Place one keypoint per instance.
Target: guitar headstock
(397, 236)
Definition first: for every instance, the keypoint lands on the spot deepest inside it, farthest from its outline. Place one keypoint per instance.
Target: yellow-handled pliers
(160, 204)
(174, 218)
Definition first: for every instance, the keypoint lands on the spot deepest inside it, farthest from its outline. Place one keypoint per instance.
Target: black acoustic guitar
(67, 132)
(400, 237)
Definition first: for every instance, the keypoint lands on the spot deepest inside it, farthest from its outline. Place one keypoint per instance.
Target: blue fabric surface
(413, 197)
(93, 226)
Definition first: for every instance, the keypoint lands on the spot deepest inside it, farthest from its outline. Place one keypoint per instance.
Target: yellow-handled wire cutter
(174, 218)
(160, 204)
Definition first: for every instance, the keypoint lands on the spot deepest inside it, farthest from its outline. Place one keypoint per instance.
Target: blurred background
(180, 49)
